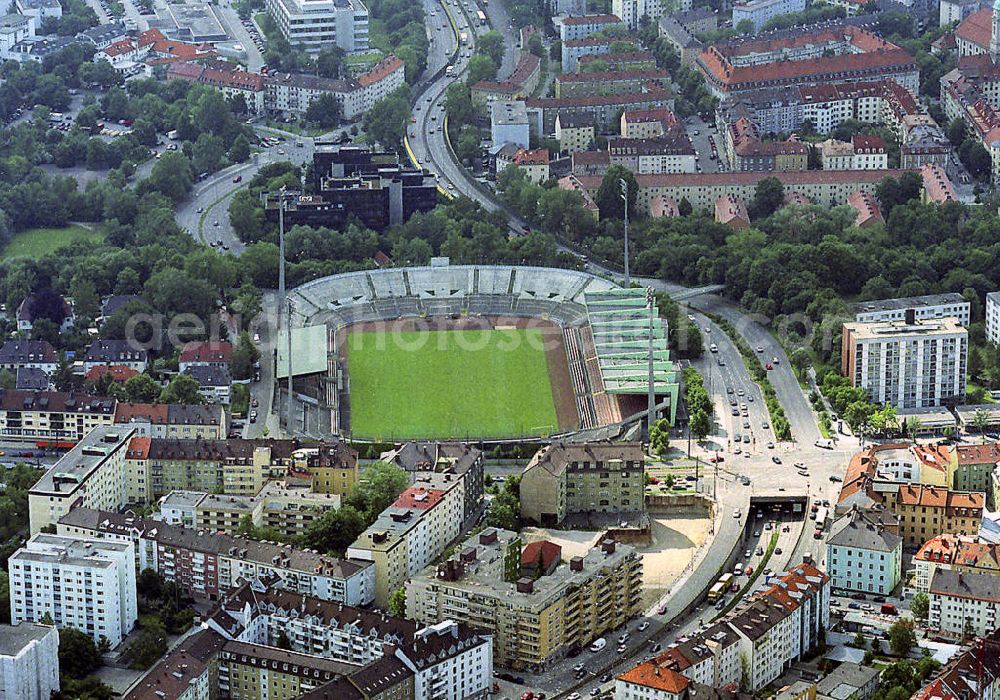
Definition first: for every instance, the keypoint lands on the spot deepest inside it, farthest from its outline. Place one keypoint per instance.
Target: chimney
(608, 546)
(525, 585)
(488, 537)
(576, 564)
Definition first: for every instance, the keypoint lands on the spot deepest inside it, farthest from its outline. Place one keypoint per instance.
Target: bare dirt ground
(676, 538)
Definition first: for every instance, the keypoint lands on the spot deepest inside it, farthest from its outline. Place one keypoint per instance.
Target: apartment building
(509, 123)
(863, 555)
(247, 671)
(861, 153)
(453, 460)
(972, 466)
(29, 354)
(231, 79)
(332, 467)
(669, 153)
(92, 475)
(29, 661)
(959, 553)
(315, 25)
(759, 12)
(605, 108)
(85, 584)
(449, 655)
(291, 508)
(925, 512)
(569, 479)
(575, 49)
(119, 353)
(647, 123)
(612, 82)
(930, 306)
(190, 671)
(173, 420)
(208, 567)
(215, 384)
(53, 418)
(631, 11)
(907, 364)
(968, 674)
(993, 317)
(575, 132)
(582, 26)
(178, 507)
(963, 604)
(533, 622)
(752, 645)
(223, 513)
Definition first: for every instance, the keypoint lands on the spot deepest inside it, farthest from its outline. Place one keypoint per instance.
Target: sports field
(449, 384)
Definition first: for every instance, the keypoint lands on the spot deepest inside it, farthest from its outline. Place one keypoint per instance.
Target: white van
(713, 348)
(598, 644)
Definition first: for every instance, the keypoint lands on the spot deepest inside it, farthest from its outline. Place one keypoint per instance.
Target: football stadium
(472, 352)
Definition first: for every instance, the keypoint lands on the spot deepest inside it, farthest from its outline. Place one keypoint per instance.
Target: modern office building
(907, 364)
(92, 475)
(322, 24)
(29, 661)
(85, 584)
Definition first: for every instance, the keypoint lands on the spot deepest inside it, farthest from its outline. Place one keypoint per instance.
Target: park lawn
(449, 384)
(38, 242)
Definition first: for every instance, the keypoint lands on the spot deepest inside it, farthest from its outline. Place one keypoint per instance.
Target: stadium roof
(308, 351)
(623, 335)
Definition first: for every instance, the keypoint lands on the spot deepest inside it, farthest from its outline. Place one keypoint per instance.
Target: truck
(463, 38)
(598, 644)
(716, 592)
(449, 71)
(825, 443)
(173, 134)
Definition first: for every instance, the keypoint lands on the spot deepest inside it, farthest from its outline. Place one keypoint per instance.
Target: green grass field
(37, 242)
(449, 384)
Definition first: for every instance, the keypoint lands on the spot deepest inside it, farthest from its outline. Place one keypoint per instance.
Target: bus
(482, 18)
(716, 592)
(727, 581)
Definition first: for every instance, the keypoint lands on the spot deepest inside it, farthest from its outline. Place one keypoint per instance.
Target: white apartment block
(290, 94)
(993, 317)
(963, 604)
(92, 475)
(456, 676)
(760, 11)
(907, 364)
(318, 24)
(29, 661)
(950, 305)
(85, 584)
(631, 11)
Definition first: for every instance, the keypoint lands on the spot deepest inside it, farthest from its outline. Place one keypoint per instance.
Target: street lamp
(282, 193)
(624, 188)
(288, 331)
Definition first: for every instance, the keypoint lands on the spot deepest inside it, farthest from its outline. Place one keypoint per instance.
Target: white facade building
(318, 24)
(509, 123)
(631, 11)
(907, 365)
(760, 11)
(993, 317)
(861, 555)
(963, 604)
(951, 305)
(85, 584)
(29, 661)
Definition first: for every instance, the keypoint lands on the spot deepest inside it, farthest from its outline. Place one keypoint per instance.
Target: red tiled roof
(594, 41)
(153, 412)
(938, 497)
(611, 76)
(729, 207)
(793, 177)
(591, 158)
(528, 64)
(138, 448)
(119, 373)
(539, 156)
(380, 70)
(988, 453)
(977, 28)
(232, 77)
(120, 47)
(657, 114)
(207, 351)
(548, 551)
(937, 186)
(598, 100)
(650, 675)
(869, 143)
(623, 57)
(419, 498)
(866, 206)
(663, 206)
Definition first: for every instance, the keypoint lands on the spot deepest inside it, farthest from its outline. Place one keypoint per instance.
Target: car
(747, 554)
(777, 550)
(735, 411)
(748, 570)
(768, 366)
(722, 362)
(736, 514)
(764, 425)
(594, 692)
(834, 478)
(776, 459)
(775, 360)
(770, 445)
(237, 178)
(254, 402)
(770, 526)
(746, 440)
(756, 533)
(622, 648)
(737, 450)
(643, 626)
(729, 390)
(708, 329)
(578, 668)
(854, 606)
(746, 425)
(200, 209)
(740, 392)
(215, 223)
(606, 678)
(760, 348)
(690, 318)
(528, 696)
(750, 398)
(662, 610)
(573, 696)
(760, 552)
(654, 647)
(715, 459)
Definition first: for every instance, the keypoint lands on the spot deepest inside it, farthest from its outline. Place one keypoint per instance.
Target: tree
(244, 355)
(859, 641)
(491, 44)
(380, 484)
(768, 198)
(7, 379)
(89, 688)
(902, 637)
(147, 648)
(975, 158)
(481, 68)
(981, 420)
(535, 45)
(386, 121)
(684, 207)
(324, 111)
(920, 605)
(141, 388)
(701, 424)
(172, 175)
(659, 437)
(240, 150)
(330, 62)
(78, 655)
(335, 531)
(397, 602)
(149, 584)
(181, 389)
(283, 642)
(609, 196)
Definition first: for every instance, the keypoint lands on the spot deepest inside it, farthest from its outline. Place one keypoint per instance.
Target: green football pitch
(449, 384)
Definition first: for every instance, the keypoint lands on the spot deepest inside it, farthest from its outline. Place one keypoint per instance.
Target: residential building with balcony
(925, 512)
(85, 584)
(947, 305)
(963, 604)
(51, 418)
